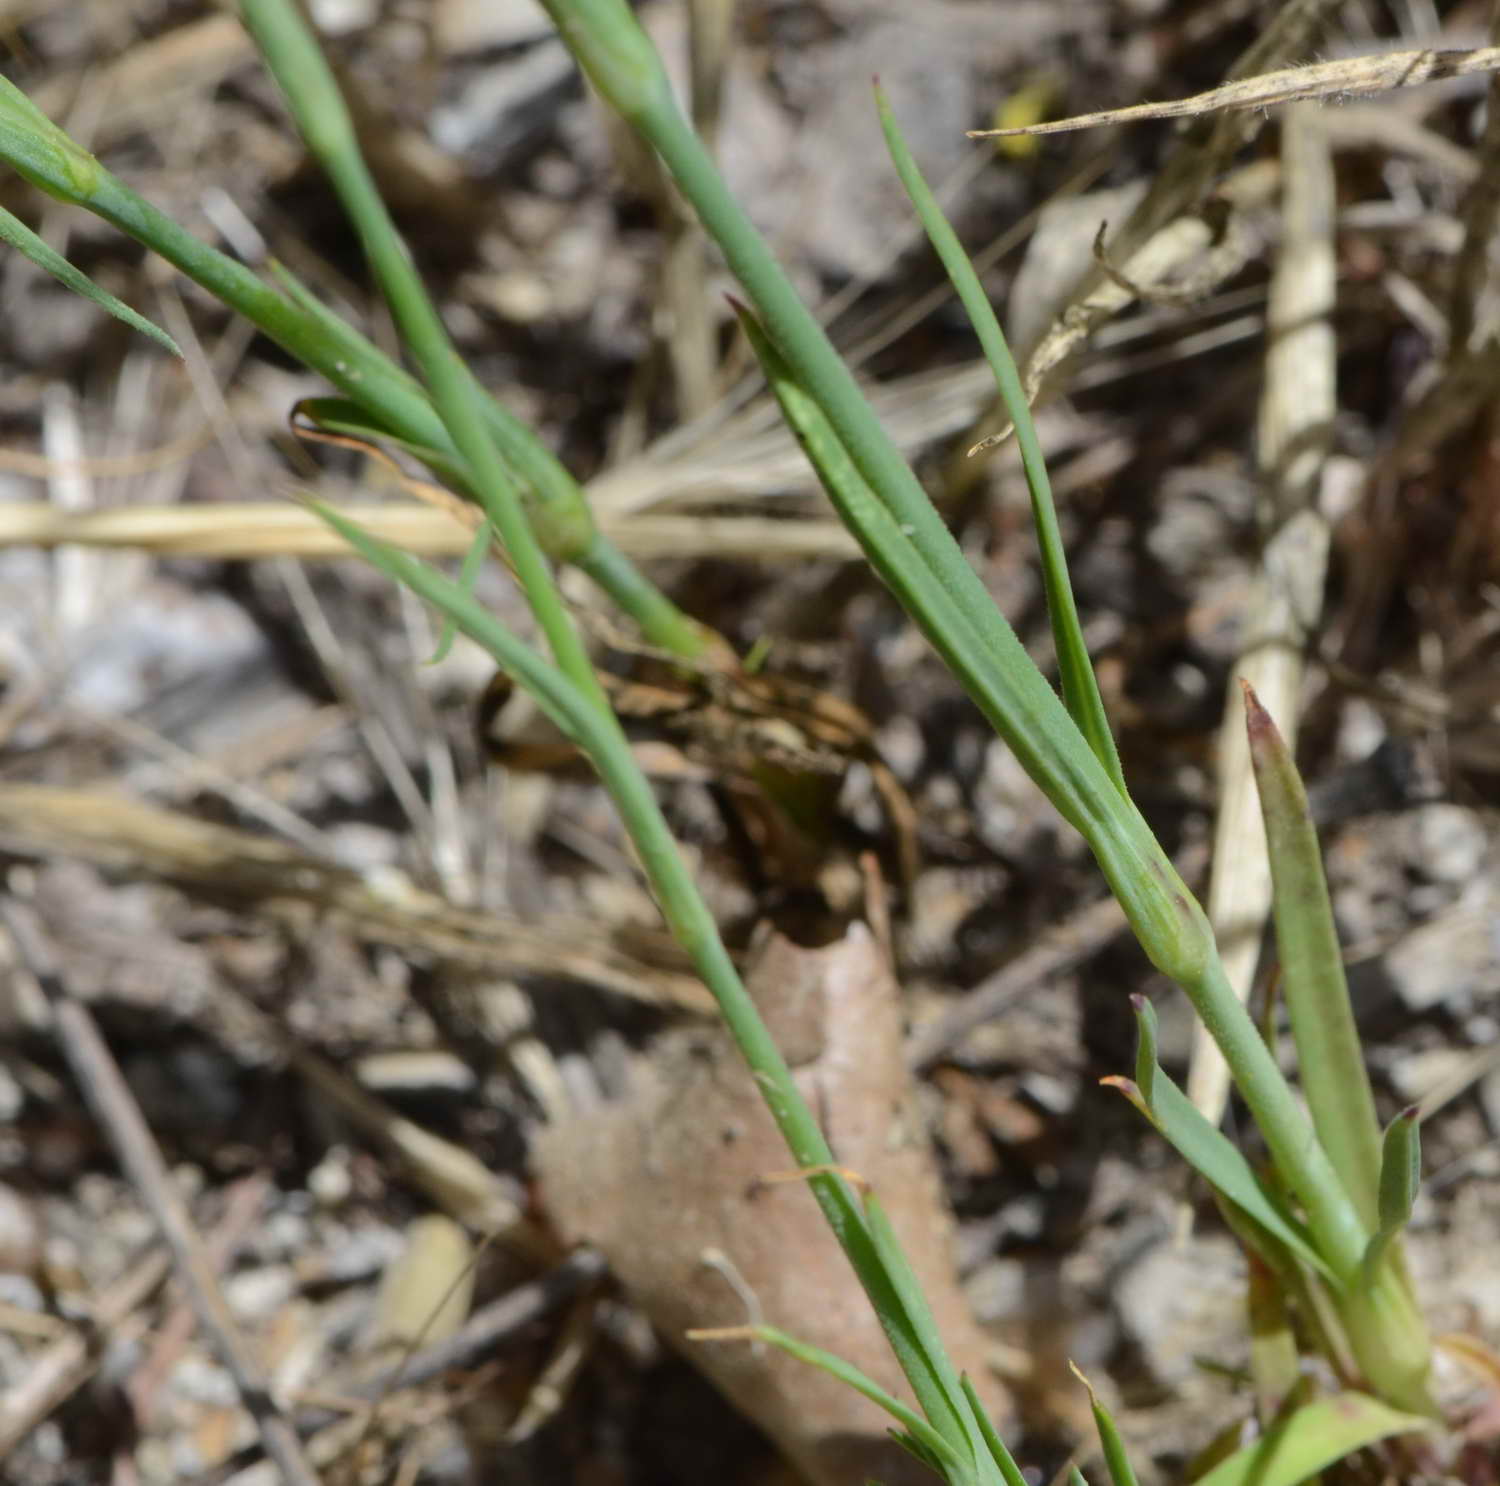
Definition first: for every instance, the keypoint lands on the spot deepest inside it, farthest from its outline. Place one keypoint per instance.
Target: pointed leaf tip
(1132, 1091)
(1258, 721)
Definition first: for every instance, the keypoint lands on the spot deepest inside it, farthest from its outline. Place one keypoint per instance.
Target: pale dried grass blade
(1199, 158)
(1297, 411)
(288, 884)
(1169, 250)
(1349, 78)
(250, 529)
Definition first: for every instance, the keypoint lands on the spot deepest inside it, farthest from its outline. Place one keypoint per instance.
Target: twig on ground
(242, 1204)
(1187, 241)
(1067, 945)
(550, 1390)
(486, 1329)
(456, 1180)
(67, 1363)
(1222, 260)
(1085, 933)
(108, 1096)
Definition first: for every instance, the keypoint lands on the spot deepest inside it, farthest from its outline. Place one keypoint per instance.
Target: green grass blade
(556, 506)
(1400, 1168)
(1005, 685)
(941, 1395)
(1080, 688)
(40, 151)
(934, 1448)
(349, 419)
(1116, 1457)
(1023, 708)
(555, 503)
(468, 576)
(1311, 1439)
(621, 62)
(33, 145)
(15, 232)
(1205, 1148)
(1320, 1326)
(1161, 910)
(597, 733)
(1010, 1473)
(1400, 1181)
(293, 57)
(1329, 1054)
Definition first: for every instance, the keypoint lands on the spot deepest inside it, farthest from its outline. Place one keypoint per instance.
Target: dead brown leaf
(671, 1186)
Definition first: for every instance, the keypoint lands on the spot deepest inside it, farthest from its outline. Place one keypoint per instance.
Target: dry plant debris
(1350, 78)
(224, 775)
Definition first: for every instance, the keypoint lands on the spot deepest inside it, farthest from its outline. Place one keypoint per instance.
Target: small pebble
(331, 1180)
(20, 1234)
(1449, 843)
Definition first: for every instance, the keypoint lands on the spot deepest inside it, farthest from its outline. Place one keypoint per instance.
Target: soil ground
(468, 945)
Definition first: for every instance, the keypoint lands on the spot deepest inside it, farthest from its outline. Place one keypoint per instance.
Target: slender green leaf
(42, 152)
(1400, 1181)
(1080, 688)
(931, 1442)
(956, 1424)
(1329, 1054)
(15, 232)
(1313, 1438)
(1116, 1457)
(1016, 698)
(1006, 686)
(293, 58)
(1146, 1045)
(299, 67)
(33, 145)
(609, 43)
(1205, 1148)
(918, 1451)
(1010, 1472)
(552, 513)
(468, 576)
(352, 420)
(1400, 1168)
(360, 356)
(597, 734)
(556, 506)
(555, 503)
